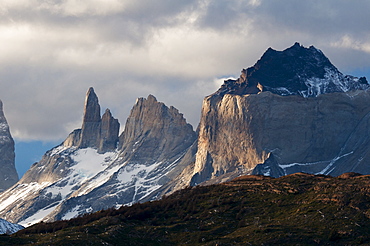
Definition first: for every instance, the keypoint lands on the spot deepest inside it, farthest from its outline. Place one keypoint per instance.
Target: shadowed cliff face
(108, 132)
(8, 174)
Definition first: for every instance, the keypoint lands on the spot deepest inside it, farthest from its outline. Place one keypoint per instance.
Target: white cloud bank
(53, 51)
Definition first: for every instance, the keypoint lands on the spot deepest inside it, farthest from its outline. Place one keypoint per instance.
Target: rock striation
(8, 174)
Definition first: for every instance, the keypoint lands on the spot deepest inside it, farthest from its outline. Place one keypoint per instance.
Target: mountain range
(293, 111)
(95, 169)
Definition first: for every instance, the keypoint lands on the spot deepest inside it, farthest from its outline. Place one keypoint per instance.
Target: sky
(52, 51)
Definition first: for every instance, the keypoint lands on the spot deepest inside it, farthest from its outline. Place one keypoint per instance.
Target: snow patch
(98, 180)
(57, 150)
(283, 166)
(137, 175)
(89, 162)
(72, 213)
(38, 216)
(324, 171)
(4, 127)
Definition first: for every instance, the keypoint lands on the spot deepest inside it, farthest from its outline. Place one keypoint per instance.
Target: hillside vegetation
(298, 209)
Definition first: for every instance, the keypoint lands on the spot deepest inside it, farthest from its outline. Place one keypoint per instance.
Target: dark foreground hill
(298, 209)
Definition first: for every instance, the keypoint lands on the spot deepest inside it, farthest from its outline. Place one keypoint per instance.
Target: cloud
(53, 51)
(351, 43)
(316, 17)
(84, 8)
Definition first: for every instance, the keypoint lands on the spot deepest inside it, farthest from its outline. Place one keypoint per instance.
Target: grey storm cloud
(180, 51)
(320, 17)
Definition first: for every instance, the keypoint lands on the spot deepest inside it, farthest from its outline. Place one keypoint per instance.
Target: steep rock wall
(238, 132)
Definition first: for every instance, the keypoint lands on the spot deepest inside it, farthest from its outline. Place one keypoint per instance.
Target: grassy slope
(298, 209)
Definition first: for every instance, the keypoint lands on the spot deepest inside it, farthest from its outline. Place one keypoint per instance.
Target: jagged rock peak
(294, 71)
(151, 98)
(91, 124)
(157, 129)
(92, 107)
(8, 175)
(107, 114)
(96, 132)
(109, 132)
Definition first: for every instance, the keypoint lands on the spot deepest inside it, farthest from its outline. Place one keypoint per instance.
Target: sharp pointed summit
(90, 131)
(92, 107)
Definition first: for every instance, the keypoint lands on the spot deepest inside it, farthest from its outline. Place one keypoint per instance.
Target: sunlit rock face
(292, 111)
(8, 174)
(157, 133)
(158, 130)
